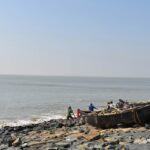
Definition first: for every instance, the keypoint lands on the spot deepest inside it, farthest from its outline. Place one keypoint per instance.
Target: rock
(71, 139)
(24, 145)
(128, 139)
(2, 131)
(3, 147)
(123, 147)
(140, 141)
(17, 142)
(26, 130)
(136, 125)
(139, 146)
(81, 130)
(13, 148)
(6, 132)
(81, 121)
(84, 130)
(7, 139)
(147, 126)
(111, 140)
(13, 136)
(148, 140)
(79, 142)
(63, 144)
(52, 148)
(92, 135)
(94, 145)
(18, 128)
(110, 147)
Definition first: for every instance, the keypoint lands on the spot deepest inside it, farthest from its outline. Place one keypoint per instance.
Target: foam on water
(33, 120)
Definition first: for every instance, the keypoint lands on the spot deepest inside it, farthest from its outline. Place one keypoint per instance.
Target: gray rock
(24, 145)
(2, 131)
(128, 139)
(17, 142)
(147, 126)
(140, 141)
(63, 144)
(7, 139)
(71, 139)
(139, 146)
(3, 147)
(123, 147)
(52, 148)
(13, 148)
(110, 147)
(114, 139)
(94, 145)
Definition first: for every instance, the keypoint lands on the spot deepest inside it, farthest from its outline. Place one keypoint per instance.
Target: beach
(74, 75)
(73, 134)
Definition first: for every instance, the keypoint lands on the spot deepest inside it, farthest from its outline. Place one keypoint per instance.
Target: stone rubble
(73, 135)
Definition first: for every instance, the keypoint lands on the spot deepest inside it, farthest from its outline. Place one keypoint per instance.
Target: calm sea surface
(25, 99)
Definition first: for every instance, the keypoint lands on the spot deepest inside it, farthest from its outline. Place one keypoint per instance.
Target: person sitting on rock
(70, 113)
(92, 107)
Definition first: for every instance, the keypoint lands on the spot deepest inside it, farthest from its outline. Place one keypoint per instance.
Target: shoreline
(73, 134)
(29, 121)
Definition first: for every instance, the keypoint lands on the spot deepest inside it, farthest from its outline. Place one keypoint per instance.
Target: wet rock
(26, 130)
(18, 128)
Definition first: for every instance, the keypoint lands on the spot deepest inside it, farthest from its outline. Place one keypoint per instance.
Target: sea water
(33, 99)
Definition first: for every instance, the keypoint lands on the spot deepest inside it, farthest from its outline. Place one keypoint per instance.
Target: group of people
(71, 115)
(110, 106)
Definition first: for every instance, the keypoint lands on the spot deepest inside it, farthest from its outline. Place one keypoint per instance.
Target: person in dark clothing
(69, 113)
(92, 107)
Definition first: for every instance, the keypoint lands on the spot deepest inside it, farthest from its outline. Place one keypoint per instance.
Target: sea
(34, 99)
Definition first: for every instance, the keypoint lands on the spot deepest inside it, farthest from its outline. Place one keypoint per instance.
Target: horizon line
(82, 76)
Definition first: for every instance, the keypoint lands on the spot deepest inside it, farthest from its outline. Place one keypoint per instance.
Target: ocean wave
(32, 120)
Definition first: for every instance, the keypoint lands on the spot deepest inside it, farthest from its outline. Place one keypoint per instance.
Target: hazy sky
(79, 38)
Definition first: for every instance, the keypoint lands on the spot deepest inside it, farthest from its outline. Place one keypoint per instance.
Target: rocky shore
(73, 135)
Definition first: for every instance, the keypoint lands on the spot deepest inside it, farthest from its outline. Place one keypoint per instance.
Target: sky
(105, 38)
